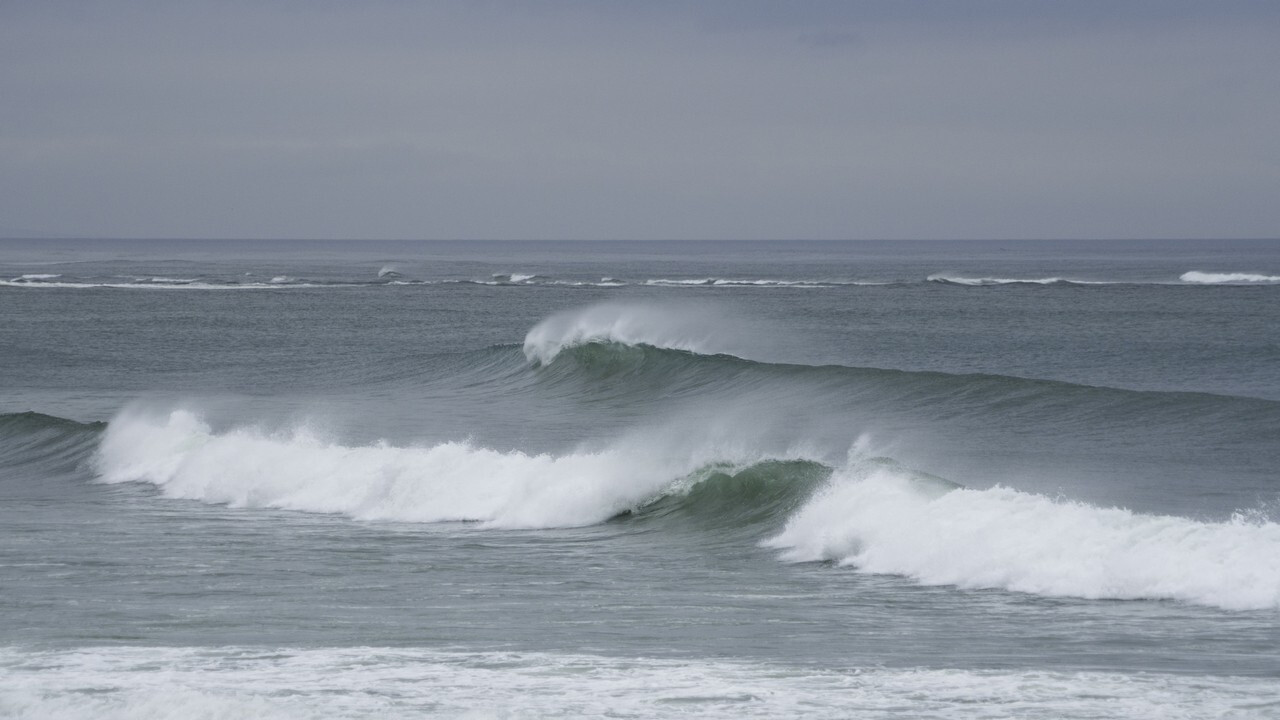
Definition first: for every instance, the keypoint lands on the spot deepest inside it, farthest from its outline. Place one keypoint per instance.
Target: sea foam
(217, 683)
(961, 280)
(451, 481)
(880, 520)
(1233, 278)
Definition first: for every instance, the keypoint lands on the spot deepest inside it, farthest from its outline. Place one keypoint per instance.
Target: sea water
(660, 479)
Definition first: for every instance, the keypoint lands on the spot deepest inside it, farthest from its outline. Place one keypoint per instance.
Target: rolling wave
(724, 495)
(872, 513)
(1232, 278)
(676, 345)
(1194, 277)
(878, 521)
(276, 283)
(696, 330)
(31, 438)
(445, 482)
(869, 513)
(980, 281)
(390, 276)
(757, 282)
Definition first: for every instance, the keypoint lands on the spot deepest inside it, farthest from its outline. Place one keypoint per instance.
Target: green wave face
(31, 438)
(721, 496)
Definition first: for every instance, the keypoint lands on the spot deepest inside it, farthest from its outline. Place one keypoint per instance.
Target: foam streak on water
(219, 683)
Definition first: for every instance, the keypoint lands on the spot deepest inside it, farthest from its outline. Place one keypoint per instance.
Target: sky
(736, 119)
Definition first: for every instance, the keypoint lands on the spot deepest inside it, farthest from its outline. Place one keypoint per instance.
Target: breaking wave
(1234, 278)
(672, 327)
(277, 283)
(446, 482)
(747, 282)
(976, 281)
(880, 520)
(871, 513)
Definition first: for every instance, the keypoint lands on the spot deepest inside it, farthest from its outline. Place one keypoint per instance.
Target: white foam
(960, 280)
(162, 683)
(391, 270)
(881, 521)
(146, 285)
(675, 327)
(514, 278)
(36, 276)
(1234, 278)
(452, 481)
(750, 282)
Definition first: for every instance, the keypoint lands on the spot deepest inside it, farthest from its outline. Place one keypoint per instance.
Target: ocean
(970, 479)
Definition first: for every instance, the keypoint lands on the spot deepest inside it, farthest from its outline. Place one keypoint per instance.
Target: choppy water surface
(647, 480)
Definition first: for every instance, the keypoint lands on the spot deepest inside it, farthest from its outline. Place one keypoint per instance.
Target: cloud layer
(605, 120)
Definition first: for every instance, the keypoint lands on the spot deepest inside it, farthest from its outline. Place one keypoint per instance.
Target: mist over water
(734, 479)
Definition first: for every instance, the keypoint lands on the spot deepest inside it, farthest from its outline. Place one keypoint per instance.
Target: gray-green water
(652, 479)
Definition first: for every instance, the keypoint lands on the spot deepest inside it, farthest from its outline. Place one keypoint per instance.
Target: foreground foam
(880, 521)
(295, 470)
(1233, 278)
(218, 683)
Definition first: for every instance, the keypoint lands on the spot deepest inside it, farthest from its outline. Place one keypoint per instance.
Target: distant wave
(529, 280)
(879, 521)
(29, 277)
(671, 327)
(962, 280)
(164, 283)
(345, 683)
(514, 278)
(388, 276)
(1193, 277)
(747, 282)
(1234, 278)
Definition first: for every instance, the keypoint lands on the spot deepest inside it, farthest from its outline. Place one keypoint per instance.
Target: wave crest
(1234, 278)
(961, 280)
(670, 327)
(450, 481)
(877, 520)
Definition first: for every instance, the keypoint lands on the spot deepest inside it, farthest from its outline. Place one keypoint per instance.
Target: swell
(644, 371)
(33, 439)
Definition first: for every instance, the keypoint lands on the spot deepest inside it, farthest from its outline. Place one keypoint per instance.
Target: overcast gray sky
(718, 119)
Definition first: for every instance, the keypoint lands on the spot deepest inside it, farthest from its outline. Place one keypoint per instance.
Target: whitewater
(568, 479)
